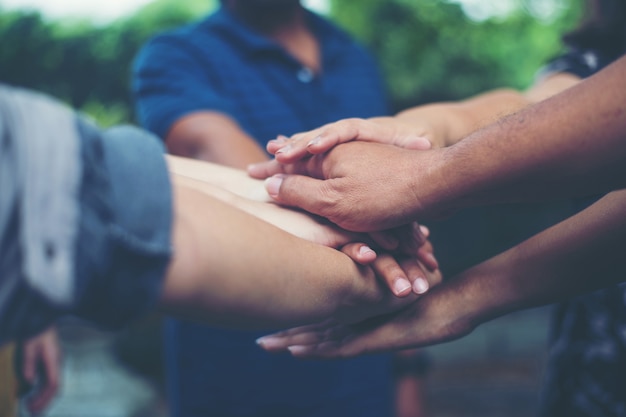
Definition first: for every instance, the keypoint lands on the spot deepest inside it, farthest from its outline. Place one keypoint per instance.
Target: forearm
(234, 270)
(569, 145)
(452, 121)
(296, 222)
(214, 137)
(234, 180)
(578, 255)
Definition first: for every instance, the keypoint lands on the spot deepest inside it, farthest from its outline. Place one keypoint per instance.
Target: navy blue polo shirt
(219, 64)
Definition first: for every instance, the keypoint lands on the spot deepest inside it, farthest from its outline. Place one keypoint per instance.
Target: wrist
(489, 290)
(437, 187)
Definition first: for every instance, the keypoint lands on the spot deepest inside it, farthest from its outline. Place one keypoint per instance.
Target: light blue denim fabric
(122, 241)
(124, 250)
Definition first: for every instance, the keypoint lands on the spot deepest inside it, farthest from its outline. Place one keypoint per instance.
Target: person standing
(218, 90)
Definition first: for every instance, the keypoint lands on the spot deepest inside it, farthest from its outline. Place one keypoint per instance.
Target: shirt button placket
(305, 75)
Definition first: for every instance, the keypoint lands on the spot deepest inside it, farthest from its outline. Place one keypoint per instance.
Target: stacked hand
(322, 174)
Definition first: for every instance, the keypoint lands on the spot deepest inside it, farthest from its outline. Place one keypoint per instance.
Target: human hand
(411, 266)
(359, 186)
(404, 273)
(384, 130)
(434, 318)
(410, 240)
(41, 359)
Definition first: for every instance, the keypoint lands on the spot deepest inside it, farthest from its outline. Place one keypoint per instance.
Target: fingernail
(366, 250)
(420, 286)
(284, 149)
(389, 242)
(270, 343)
(401, 285)
(423, 143)
(425, 230)
(281, 139)
(263, 341)
(297, 350)
(315, 141)
(272, 185)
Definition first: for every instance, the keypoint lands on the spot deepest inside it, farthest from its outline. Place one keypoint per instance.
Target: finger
(435, 278)
(413, 142)
(310, 194)
(265, 169)
(410, 238)
(38, 402)
(328, 349)
(386, 239)
(302, 334)
(50, 362)
(315, 327)
(297, 141)
(414, 242)
(368, 131)
(426, 255)
(359, 253)
(321, 140)
(273, 145)
(296, 147)
(279, 344)
(387, 268)
(371, 336)
(416, 274)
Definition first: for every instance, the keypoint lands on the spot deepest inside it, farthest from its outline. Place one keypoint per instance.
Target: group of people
(125, 228)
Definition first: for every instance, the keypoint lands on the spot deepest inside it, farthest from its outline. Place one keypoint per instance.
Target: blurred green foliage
(431, 50)
(84, 64)
(428, 49)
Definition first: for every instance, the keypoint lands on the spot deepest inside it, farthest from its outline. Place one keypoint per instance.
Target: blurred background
(429, 50)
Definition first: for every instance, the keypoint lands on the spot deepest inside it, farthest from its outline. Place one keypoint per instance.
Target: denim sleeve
(580, 62)
(40, 171)
(171, 80)
(123, 242)
(124, 246)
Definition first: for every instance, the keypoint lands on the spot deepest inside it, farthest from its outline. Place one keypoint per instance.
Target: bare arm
(418, 270)
(571, 144)
(578, 255)
(448, 123)
(214, 137)
(234, 270)
(233, 180)
(438, 124)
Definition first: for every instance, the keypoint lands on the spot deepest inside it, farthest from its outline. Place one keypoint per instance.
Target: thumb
(418, 143)
(300, 191)
(264, 169)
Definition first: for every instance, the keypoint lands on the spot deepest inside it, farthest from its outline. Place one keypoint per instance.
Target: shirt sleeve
(580, 62)
(170, 81)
